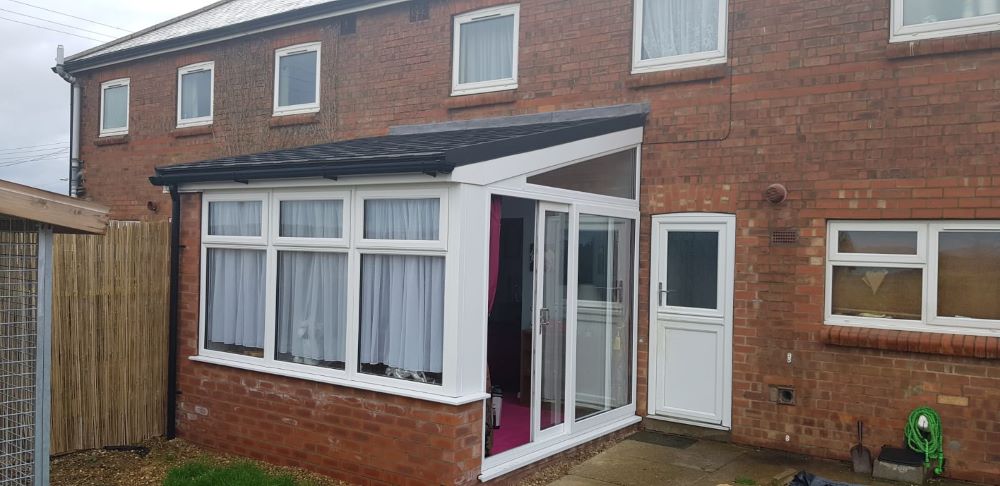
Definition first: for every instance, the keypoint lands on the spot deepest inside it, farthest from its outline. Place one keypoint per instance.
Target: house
(770, 219)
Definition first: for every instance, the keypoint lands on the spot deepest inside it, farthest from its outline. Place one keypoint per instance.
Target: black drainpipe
(175, 269)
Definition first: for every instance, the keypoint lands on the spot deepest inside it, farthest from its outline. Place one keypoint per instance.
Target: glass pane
(611, 175)
(891, 293)
(692, 269)
(311, 219)
(115, 108)
(604, 315)
(678, 27)
(928, 11)
(402, 219)
(312, 308)
(402, 317)
(234, 301)
(884, 242)
(553, 319)
(234, 218)
(196, 94)
(969, 274)
(487, 50)
(297, 79)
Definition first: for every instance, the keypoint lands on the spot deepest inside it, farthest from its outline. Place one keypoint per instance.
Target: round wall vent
(775, 193)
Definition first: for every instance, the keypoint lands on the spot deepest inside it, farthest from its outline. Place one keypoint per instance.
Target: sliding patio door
(552, 277)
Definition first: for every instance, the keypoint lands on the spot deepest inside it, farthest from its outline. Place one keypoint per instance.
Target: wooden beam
(64, 213)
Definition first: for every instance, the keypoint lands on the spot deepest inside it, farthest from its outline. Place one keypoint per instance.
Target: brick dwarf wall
(813, 97)
(359, 436)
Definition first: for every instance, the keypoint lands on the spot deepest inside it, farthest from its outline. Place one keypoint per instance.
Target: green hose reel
(923, 435)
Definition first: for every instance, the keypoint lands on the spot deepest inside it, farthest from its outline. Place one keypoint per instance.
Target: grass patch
(745, 481)
(239, 474)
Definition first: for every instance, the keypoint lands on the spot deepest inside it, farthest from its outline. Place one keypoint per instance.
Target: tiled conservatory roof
(431, 153)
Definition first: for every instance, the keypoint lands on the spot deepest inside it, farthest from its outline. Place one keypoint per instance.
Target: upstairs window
(925, 19)
(114, 107)
(672, 34)
(485, 50)
(296, 79)
(195, 94)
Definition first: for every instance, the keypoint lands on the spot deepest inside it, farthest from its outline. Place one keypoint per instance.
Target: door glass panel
(883, 242)
(552, 320)
(969, 274)
(692, 269)
(604, 315)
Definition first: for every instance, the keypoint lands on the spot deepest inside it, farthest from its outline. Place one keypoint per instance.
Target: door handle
(661, 292)
(543, 318)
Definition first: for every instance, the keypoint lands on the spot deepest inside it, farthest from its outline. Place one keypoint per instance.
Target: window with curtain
(296, 81)
(114, 107)
(679, 33)
(915, 19)
(302, 282)
(882, 273)
(486, 50)
(195, 94)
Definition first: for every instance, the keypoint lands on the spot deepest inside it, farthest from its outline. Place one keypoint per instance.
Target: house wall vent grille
(784, 237)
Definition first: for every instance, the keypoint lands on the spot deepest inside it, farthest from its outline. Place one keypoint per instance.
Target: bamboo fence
(109, 348)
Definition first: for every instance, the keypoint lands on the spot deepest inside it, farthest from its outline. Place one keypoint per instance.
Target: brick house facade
(813, 96)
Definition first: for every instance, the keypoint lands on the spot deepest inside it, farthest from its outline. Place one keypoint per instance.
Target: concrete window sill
(677, 76)
(113, 140)
(983, 347)
(946, 45)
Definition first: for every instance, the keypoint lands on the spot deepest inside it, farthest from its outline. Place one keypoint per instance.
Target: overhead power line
(28, 152)
(12, 149)
(36, 159)
(57, 23)
(26, 4)
(51, 29)
(28, 158)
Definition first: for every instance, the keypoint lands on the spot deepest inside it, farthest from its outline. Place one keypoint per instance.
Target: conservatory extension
(452, 263)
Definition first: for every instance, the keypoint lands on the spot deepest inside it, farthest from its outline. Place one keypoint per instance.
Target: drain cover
(666, 440)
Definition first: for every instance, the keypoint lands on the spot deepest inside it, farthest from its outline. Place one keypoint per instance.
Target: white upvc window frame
(926, 259)
(354, 247)
(706, 58)
(190, 69)
(460, 89)
(115, 83)
(313, 107)
(934, 30)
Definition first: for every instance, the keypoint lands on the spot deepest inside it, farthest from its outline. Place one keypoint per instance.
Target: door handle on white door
(661, 292)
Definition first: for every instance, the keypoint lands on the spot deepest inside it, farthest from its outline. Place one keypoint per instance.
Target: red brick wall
(814, 97)
(360, 436)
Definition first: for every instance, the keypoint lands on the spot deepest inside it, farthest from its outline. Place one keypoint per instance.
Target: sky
(34, 101)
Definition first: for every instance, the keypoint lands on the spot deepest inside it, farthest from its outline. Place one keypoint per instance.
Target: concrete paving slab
(572, 480)
(702, 455)
(624, 470)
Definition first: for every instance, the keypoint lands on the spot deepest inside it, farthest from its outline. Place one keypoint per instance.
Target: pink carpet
(515, 426)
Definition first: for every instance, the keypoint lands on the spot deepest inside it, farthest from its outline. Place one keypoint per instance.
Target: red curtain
(494, 248)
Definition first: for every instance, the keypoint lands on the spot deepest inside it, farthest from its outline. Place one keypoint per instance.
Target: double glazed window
(485, 50)
(290, 283)
(924, 19)
(670, 34)
(114, 107)
(195, 94)
(914, 275)
(296, 79)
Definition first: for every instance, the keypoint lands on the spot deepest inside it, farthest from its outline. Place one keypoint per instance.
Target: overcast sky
(34, 102)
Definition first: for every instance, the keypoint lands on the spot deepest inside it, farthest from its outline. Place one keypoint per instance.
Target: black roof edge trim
(277, 171)
(75, 65)
(528, 143)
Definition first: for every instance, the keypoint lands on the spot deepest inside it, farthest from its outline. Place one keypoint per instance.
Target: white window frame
(706, 58)
(458, 88)
(943, 28)
(190, 69)
(354, 247)
(297, 49)
(926, 259)
(115, 83)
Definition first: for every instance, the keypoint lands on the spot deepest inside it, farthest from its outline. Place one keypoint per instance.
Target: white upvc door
(551, 321)
(691, 318)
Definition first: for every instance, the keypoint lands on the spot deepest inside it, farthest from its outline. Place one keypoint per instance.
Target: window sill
(483, 99)
(429, 397)
(943, 45)
(192, 131)
(677, 76)
(292, 120)
(984, 347)
(111, 140)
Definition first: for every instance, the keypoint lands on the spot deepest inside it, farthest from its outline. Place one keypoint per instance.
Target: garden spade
(861, 457)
